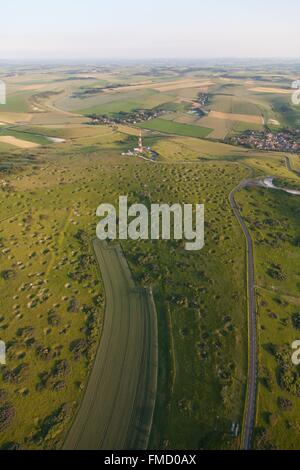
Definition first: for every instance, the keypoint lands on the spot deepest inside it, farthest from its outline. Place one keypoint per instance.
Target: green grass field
(197, 332)
(24, 135)
(16, 103)
(171, 127)
(111, 103)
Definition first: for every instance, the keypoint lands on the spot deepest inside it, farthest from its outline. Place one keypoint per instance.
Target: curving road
(117, 408)
(250, 405)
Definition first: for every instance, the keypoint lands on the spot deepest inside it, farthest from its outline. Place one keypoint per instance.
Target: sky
(148, 29)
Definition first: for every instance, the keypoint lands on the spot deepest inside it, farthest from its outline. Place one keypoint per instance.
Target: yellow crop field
(236, 117)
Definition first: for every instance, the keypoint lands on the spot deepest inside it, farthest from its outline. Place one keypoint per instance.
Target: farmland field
(137, 342)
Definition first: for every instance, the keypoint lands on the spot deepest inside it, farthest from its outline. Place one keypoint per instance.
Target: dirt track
(117, 409)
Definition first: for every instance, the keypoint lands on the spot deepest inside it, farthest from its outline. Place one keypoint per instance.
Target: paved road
(250, 406)
(117, 409)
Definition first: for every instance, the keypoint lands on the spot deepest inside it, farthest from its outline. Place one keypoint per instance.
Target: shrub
(7, 414)
(296, 321)
(284, 404)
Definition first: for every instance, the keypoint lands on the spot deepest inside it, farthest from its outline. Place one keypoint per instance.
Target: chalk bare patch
(279, 91)
(274, 122)
(23, 144)
(36, 86)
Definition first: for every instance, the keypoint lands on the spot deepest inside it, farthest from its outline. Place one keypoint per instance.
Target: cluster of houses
(283, 141)
(198, 105)
(140, 115)
(203, 99)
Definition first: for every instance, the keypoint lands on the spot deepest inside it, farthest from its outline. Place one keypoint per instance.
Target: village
(283, 141)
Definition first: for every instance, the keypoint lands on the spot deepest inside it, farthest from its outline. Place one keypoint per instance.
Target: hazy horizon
(132, 30)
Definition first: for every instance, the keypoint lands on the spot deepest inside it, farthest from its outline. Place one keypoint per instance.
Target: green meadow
(171, 127)
(16, 103)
